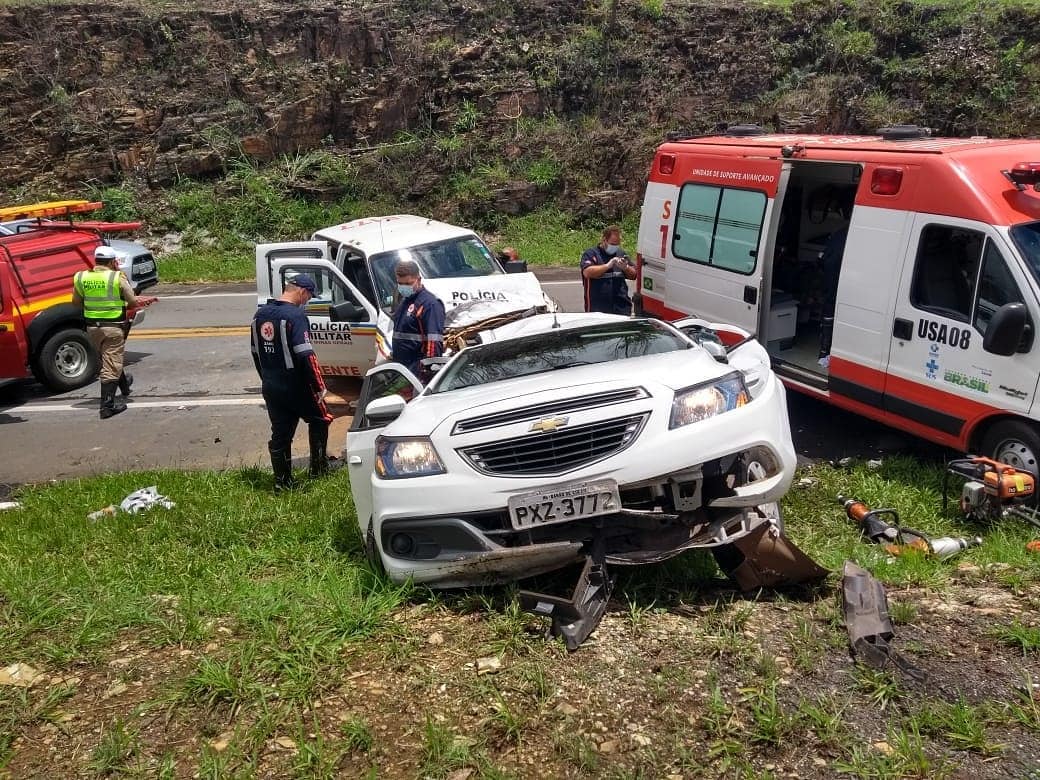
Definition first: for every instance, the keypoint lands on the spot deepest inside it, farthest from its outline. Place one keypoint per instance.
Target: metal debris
(868, 624)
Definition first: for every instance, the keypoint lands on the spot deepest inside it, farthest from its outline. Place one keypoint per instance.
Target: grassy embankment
(240, 633)
(220, 222)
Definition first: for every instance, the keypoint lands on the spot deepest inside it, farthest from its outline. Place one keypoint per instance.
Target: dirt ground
(722, 687)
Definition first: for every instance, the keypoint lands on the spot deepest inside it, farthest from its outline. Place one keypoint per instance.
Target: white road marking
(195, 296)
(90, 405)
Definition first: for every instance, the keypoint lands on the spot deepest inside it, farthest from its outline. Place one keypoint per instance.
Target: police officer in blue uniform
(604, 269)
(291, 379)
(418, 320)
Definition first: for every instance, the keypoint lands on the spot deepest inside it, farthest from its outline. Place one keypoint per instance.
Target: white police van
(353, 269)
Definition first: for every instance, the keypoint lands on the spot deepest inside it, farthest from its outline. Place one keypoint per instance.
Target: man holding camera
(605, 269)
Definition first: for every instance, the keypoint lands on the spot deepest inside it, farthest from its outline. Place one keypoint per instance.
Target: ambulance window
(1027, 239)
(719, 226)
(996, 287)
(946, 271)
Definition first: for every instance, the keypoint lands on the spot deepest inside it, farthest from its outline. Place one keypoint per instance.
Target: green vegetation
(236, 607)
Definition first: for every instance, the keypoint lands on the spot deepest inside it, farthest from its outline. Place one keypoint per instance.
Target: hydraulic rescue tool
(896, 538)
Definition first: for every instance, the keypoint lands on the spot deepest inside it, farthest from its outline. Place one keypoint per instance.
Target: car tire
(771, 511)
(66, 360)
(1015, 443)
(375, 562)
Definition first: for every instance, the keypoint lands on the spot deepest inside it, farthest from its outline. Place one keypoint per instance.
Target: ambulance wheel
(66, 360)
(1015, 443)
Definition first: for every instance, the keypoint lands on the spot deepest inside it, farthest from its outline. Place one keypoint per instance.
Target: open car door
(383, 381)
(342, 322)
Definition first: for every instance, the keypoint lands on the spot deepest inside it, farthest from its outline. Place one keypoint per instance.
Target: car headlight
(708, 400)
(402, 458)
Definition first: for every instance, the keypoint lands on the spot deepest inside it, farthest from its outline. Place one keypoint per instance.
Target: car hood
(660, 375)
(470, 299)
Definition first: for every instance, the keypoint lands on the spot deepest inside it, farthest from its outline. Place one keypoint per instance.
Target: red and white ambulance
(896, 275)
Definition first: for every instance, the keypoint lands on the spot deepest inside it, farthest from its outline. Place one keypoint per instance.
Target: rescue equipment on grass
(898, 539)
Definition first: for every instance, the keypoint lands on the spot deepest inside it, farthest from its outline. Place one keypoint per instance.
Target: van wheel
(66, 360)
(1015, 443)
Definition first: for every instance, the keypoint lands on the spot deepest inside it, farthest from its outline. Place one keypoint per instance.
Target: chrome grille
(549, 409)
(557, 452)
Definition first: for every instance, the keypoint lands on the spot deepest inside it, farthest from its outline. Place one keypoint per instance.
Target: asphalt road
(196, 400)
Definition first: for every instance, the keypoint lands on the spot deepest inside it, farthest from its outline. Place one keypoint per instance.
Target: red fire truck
(41, 333)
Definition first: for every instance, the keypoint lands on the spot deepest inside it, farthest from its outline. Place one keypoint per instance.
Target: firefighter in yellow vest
(105, 294)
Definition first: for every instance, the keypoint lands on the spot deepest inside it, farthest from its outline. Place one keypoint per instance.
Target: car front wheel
(771, 511)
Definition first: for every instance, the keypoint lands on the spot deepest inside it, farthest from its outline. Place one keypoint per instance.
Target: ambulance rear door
(721, 239)
(343, 328)
(939, 375)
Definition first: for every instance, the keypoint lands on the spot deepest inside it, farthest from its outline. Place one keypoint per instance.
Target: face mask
(613, 249)
(405, 290)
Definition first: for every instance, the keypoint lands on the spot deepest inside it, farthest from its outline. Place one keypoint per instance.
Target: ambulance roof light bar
(55, 208)
(1024, 174)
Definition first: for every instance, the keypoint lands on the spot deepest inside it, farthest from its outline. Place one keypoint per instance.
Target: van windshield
(1027, 238)
(463, 256)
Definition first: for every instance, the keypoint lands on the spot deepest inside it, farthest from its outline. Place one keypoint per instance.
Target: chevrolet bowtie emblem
(548, 425)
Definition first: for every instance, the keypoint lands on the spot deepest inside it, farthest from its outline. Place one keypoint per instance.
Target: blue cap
(304, 282)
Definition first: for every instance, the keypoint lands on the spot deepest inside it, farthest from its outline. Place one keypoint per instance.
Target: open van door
(267, 254)
(342, 322)
(717, 252)
(383, 381)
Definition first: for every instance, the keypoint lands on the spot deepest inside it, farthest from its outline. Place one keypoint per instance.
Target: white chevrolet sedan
(563, 432)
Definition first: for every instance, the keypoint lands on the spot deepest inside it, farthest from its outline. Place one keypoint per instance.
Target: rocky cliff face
(95, 92)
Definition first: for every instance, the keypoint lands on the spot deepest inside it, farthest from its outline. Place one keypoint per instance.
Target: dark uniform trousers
(291, 385)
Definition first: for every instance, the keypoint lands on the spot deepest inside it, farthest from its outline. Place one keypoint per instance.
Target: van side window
(946, 270)
(719, 226)
(328, 289)
(996, 287)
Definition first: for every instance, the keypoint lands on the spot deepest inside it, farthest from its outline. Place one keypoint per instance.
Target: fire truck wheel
(1015, 443)
(66, 360)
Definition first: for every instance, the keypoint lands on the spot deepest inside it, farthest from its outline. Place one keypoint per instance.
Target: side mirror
(347, 311)
(1006, 328)
(384, 411)
(515, 266)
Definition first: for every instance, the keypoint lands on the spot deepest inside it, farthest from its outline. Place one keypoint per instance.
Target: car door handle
(354, 460)
(750, 294)
(903, 329)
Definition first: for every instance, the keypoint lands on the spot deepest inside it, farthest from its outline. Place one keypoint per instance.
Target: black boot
(109, 405)
(318, 436)
(125, 382)
(281, 465)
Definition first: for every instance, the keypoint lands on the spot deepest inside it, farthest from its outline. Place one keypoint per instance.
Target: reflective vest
(99, 289)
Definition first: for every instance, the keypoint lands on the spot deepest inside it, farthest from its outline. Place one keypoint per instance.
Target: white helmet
(105, 254)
